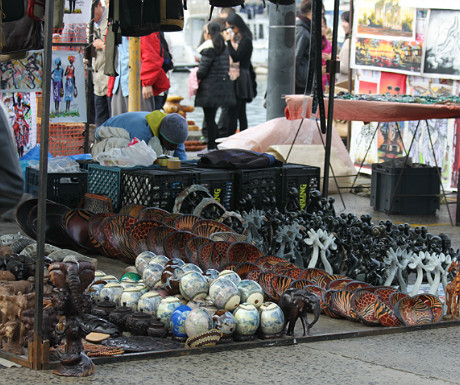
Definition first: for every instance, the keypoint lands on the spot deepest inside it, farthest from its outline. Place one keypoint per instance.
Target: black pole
(43, 177)
(281, 58)
(332, 67)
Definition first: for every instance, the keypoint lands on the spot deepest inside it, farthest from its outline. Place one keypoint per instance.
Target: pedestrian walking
(215, 87)
(239, 43)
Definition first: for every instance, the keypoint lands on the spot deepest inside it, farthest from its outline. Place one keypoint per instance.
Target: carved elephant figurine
(295, 304)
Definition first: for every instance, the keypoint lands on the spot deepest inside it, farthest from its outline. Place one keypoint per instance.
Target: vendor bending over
(163, 132)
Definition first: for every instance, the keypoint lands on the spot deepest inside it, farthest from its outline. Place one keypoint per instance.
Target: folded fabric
(238, 159)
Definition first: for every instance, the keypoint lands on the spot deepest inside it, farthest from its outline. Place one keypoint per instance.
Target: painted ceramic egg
(247, 319)
(211, 275)
(95, 289)
(193, 285)
(130, 277)
(109, 278)
(191, 267)
(152, 274)
(251, 292)
(130, 297)
(113, 291)
(161, 259)
(175, 262)
(225, 322)
(170, 278)
(166, 307)
(271, 318)
(229, 274)
(98, 274)
(142, 260)
(224, 294)
(197, 322)
(177, 321)
(148, 303)
(126, 284)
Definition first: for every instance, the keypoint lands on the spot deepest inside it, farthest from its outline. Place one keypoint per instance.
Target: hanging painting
(392, 55)
(442, 44)
(21, 115)
(392, 84)
(22, 75)
(385, 19)
(68, 100)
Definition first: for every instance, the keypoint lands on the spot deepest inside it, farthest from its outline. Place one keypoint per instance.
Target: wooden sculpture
(453, 292)
(71, 278)
(296, 303)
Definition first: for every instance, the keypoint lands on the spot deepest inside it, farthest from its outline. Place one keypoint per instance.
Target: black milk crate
(418, 191)
(106, 180)
(301, 177)
(154, 188)
(263, 185)
(84, 163)
(67, 188)
(219, 182)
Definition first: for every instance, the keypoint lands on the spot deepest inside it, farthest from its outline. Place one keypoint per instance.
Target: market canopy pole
(134, 100)
(43, 177)
(332, 66)
(281, 58)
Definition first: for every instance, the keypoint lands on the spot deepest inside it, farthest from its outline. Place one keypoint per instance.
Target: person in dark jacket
(11, 185)
(302, 45)
(215, 87)
(239, 43)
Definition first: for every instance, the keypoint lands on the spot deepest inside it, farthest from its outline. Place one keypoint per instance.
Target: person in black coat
(239, 43)
(215, 87)
(11, 180)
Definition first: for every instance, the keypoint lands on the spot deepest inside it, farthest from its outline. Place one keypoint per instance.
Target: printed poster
(22, 75)
(385, 19)
(442, 44)
(67, 99)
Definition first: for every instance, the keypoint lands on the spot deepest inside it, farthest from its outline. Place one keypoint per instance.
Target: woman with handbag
(215, 88)
(239, 43)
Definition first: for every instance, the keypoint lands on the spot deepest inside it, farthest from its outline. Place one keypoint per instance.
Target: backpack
(168, 64)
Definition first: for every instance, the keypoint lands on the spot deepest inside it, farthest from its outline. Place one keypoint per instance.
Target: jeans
(180, 152)
(101, 109)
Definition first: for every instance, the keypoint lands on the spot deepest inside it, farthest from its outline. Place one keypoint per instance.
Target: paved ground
(422, 357)
(427, 357)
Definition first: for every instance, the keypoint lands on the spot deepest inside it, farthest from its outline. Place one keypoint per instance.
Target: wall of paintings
(21, 79)
(398, 48)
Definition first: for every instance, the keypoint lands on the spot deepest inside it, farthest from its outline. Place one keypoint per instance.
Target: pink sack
(193, 82)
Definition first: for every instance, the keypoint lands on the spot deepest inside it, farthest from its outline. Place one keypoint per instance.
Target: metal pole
(134, 103)
(281, 58)
(43, 175)
(330, 113)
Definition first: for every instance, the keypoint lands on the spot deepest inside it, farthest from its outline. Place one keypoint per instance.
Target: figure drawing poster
(68, 100)
(22, 110)
(442, 44)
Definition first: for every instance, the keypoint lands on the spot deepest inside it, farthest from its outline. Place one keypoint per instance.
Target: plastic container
(65, 188)
(417, 193)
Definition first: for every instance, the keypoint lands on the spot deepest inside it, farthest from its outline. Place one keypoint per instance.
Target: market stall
(168, 262)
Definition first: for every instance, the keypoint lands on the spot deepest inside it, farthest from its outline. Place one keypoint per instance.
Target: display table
(299, 106)
(368, 111)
